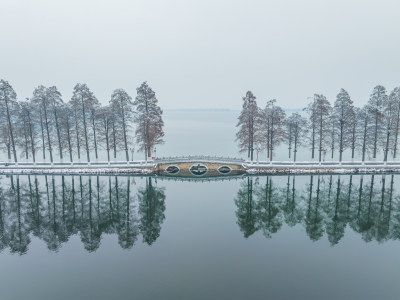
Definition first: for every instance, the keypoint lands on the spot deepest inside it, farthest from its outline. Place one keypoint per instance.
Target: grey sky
(202, 54)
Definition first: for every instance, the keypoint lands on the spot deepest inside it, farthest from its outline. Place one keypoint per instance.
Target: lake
(275, 237)
(265, 237)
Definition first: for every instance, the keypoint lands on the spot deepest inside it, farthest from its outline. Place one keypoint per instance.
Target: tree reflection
(327, 205)
(151, 210)
(54, 208)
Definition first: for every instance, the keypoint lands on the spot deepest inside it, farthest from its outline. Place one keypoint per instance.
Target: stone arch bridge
(198, 166)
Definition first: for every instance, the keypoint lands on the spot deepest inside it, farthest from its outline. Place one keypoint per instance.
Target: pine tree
(148, 119)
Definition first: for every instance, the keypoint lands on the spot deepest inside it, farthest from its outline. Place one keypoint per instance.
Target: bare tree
(67, 120)
(83, 102)
(390, 115)
(27, 129)
(376, 105)
(123, 107)
(273, 119)
(343, 118)
(395, 98)
(365, 134)
(323, 111)
(313, 117)
(55, 101)
(8, 101)
(148, 119)
(353, 133)
(105, 120)
(250, 122)
(41, 100)
(296, 130)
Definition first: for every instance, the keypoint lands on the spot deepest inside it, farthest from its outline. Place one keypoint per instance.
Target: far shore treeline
(323, 128)
(45, 123)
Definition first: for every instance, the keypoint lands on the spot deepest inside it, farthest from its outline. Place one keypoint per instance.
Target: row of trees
(340, 127)
(54, 209)
(325, 206)
(46, 123)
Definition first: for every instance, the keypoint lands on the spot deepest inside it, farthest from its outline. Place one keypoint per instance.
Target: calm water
(276, 237)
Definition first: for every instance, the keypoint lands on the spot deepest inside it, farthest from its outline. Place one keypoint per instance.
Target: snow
(66, 171)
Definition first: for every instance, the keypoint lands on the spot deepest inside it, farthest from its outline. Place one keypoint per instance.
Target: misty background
(202, 54)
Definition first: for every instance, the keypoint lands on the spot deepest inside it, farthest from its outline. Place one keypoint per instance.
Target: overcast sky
(202, 54)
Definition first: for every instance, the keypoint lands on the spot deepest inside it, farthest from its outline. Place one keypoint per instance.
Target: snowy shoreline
(332, 170)
(74, 171)
(261, 170)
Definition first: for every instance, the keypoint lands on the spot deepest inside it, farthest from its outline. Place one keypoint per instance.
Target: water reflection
(56, 208)
(325, 205)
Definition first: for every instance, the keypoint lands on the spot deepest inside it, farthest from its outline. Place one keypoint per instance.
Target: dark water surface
(269, 237)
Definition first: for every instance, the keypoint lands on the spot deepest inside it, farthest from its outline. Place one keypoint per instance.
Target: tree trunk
(124, 129)
(396, 134)
(295, 145)
(48, 131)
(85, 130)
(78, 146)
(42, 130)
(114, 139)
(376, 135)
(58, 130)
(364, 147)
(387, 144)
(69, 140)
(31, 137)
(320, 137)
(341, 141)
(94, 134)
(11, 131)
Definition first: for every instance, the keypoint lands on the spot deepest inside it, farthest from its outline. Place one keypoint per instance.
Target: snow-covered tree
(83, 103)
(343, 118)
(250, 123)
(273, 121)
(395, 102)
(105, 118)
(43, 103)
(148, 119)
(55, 101)
(319, 113)
(365, 133)
(376, 106)
(7, 104)
(27, 129)
(390, 114)
(122, 106)
(296, 130)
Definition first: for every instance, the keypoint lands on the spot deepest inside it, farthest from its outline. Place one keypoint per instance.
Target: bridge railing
(199, 158)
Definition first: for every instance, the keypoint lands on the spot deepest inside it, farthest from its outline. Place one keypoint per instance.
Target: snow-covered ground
(69, 171)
